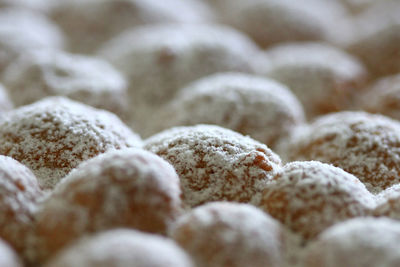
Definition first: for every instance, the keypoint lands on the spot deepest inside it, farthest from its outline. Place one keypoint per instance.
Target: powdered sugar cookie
(360, 242)
(310, 196)
(362, 144)
(54, 135)
(122, 248)
(230, 234)
(324, 78)
(19, 195)
(159, 60)
(251, 105)
(214, 163)
(124, 188)
(86, 79)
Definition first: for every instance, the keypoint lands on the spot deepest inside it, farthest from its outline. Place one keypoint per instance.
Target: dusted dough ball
(159, 60)
(54, 135)
(19, 194)
(270, 22)
(230, 234)
(310, 196)
(215, 163)
(122, 248)
(22, 31)
(324, 78)
(251, 105)
(362, 144)
(8, 258)
(377, 39)
(89, 80)
(383, 97)
(104, 19)
(124, 188)
(360, 242)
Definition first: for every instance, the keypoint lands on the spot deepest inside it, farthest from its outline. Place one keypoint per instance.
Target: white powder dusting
(124, 188)
(158, 60)
(230, 234)
(19, 191)
(215, 163)
(360, 242)
(54, 135)
(42, 73)
(323, 77)
(388, 202)
(308, 197)
(251, 105)
(122, 247)
(23, 30)
(363, 144)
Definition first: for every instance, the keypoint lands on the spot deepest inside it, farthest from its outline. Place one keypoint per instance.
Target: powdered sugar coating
(23, 30)
(310, 196)
(124, 188)
(104, 19)
(230, 234)
(86, 79)
(366, 145)
(19, 194)
(251, 105)
(54, 135)
(277, 21)
(377, 39)
(158, 60)
(383, 97)
(360, 242)
(214, 163)
(388, 203)
(323, 77)
(8, 258)
(122, 247)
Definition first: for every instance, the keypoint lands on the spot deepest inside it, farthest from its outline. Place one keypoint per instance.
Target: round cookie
(86, 79)
(124, 188)
(248, 104)
(270, 22)
(19, 195)
(323, 77)
(106, 18)
(383, 97)
(214, 163)
(122, 248)
(158, 60)
(230, 234)
(8, 258)
(308, 197)
(360, 242)
(54, 135)
(377, 39)
(23, 30)
(360, 143)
